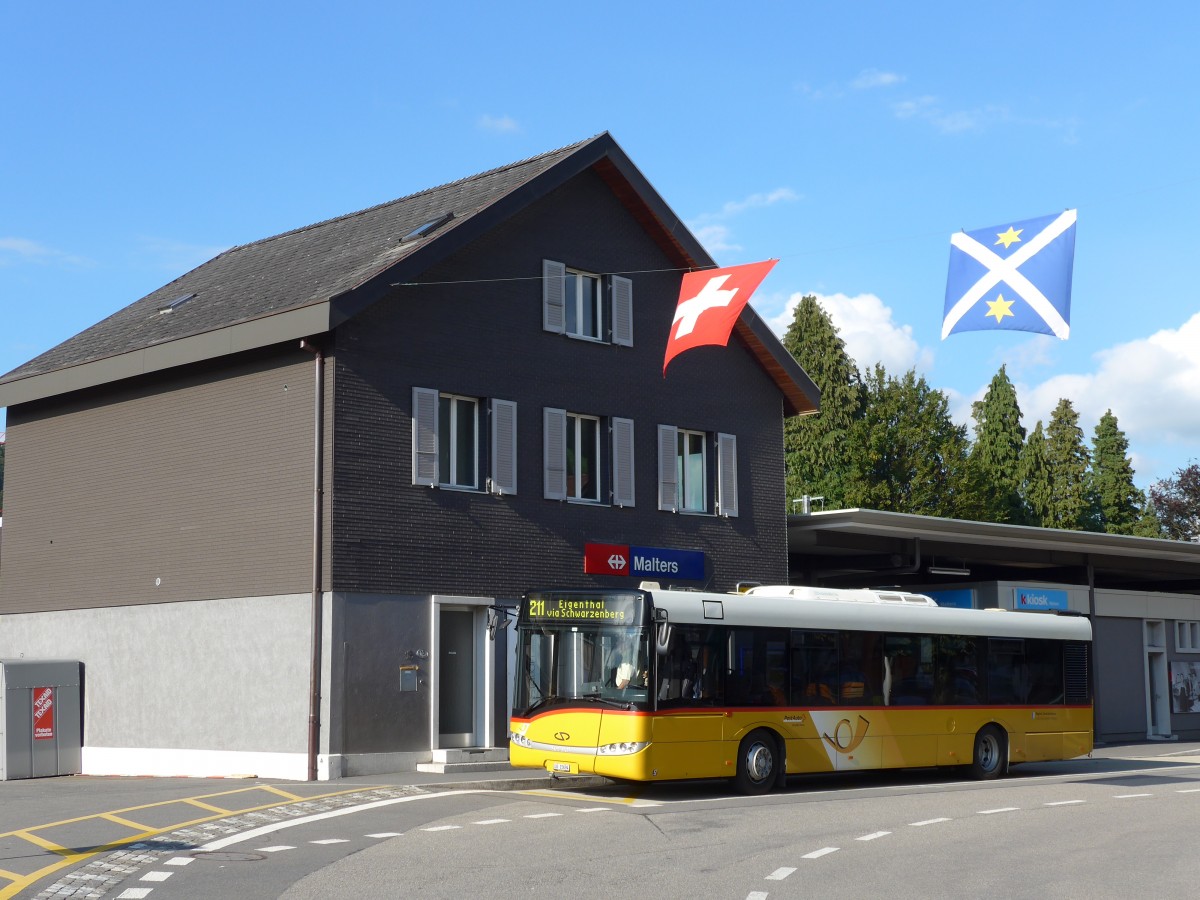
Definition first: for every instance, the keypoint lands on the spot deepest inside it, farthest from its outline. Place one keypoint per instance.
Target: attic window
(176, 303)
(427, 228)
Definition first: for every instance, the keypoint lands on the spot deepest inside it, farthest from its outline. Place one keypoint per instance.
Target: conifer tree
(1072, 501)
(1120, 502)
(996, 453)
(815, 447)
(1035, 480)
(907, 454)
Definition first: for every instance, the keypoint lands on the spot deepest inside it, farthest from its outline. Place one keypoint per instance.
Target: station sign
(1029, 598)
(643, 562)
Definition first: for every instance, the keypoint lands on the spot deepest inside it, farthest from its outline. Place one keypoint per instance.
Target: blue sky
(846, 139)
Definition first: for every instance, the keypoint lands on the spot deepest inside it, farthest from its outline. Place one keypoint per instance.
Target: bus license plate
(562, 767)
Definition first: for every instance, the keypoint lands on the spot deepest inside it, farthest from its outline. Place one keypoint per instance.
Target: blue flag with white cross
(1014, 277)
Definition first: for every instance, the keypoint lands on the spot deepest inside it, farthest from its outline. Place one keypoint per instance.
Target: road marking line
(385, 834)
(134, 893)
(928, 822)
(1064, 803)
(127, 823)
(156, 876)
(443, 828)
(1189, 791)
(780, 874)
(817, 854)
(543, 815)
(208, 806)
(179, 861)
(254, 833)
(491, 821)
(757, 895)
(594, 809)
(331, 841)
(873, 835)
(282, 793)
(572, 795)
(276, 848)
(1129, 796)
(991, 812)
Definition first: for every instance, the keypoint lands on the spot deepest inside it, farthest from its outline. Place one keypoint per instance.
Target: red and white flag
(709, 305)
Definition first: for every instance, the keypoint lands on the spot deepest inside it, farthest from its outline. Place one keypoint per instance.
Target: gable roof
(307, 281)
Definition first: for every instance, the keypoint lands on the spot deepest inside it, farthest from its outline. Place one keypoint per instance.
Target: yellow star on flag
(999, 308)
(1010, 237)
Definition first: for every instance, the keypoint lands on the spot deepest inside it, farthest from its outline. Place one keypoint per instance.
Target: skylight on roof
(176, 303)
(427, 228)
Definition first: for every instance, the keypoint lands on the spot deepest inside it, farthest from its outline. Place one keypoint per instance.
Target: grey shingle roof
(298, 268)
(303, 282)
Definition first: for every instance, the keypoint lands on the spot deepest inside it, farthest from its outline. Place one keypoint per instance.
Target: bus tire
(758, 762)
(990, 757)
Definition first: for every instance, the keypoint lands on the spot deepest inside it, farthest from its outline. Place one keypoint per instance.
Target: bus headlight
(520, 740)
(622, 749)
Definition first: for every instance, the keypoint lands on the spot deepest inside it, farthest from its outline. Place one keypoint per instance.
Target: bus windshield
(565, 664)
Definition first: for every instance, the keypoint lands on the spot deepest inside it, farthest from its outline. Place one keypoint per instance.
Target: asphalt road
(1115, 825)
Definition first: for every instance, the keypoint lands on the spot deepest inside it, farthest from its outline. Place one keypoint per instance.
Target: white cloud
(1152, 386)
(710, 228)
(873, 78)
(716, 238)
(867, 326)
(498, 124)
(24, 250)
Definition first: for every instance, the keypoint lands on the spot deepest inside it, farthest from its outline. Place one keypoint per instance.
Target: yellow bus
(658, 685)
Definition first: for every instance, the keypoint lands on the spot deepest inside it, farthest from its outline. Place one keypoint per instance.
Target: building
(412, 414)
(1142, 595)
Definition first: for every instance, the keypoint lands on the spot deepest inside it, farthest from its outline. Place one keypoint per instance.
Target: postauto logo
(626, 559)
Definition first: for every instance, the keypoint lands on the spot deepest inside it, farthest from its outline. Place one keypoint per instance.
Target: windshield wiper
(618, 704)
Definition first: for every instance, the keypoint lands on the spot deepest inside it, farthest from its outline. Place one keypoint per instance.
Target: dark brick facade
(475, 328)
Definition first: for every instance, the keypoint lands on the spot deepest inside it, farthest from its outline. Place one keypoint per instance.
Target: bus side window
(815, 669)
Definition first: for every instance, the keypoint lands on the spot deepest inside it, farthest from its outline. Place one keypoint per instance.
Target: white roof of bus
(789, 606)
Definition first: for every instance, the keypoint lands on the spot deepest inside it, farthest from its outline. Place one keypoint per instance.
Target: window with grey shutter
(554, 453)
(553, 303)
(622, 311)
(668, 480)
(727, 492)
(622, 455)
(425, 437)
(504, 447)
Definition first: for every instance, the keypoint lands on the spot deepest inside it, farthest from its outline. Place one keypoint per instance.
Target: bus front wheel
(990, 755)
(757, 762)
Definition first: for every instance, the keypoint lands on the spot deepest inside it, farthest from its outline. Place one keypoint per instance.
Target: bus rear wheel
(757, 762)
(990, 754)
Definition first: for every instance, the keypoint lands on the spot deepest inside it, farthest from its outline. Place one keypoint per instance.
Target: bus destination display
(590, 609)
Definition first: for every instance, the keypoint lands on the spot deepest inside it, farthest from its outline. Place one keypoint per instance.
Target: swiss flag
(709, 305)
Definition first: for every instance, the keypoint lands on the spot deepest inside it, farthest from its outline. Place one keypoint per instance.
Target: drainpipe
(314, 685)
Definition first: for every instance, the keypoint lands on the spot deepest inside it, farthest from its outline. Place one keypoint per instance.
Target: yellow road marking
(208, 806)
(109, 817)
(281, 793)
(18, 883)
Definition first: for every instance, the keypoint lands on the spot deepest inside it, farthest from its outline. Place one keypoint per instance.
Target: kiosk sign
(43, 714)
(1039, 598)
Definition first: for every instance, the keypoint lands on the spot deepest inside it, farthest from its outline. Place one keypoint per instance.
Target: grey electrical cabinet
(40, 718)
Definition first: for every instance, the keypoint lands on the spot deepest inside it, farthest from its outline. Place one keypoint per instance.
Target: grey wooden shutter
(553, 286)
(622, 311)
(622, 454)
(425, 437)
(504, 447)
(727, 489)
(554, 453)
(668, 483)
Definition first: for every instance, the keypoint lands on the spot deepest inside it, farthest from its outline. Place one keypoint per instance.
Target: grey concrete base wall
(216, 675)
